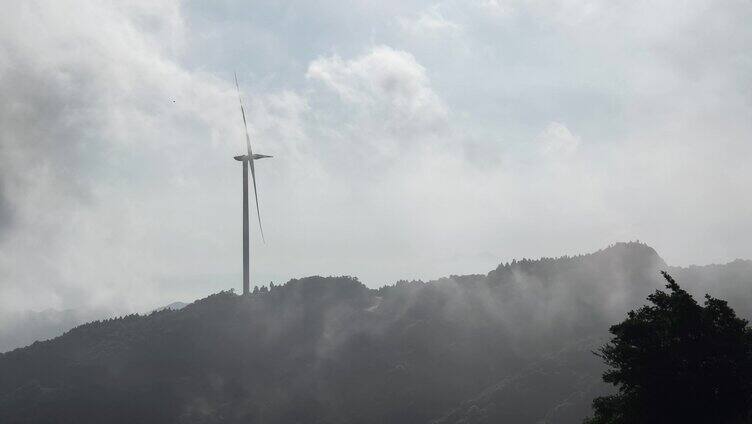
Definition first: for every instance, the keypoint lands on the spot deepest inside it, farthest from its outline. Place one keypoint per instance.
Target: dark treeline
(510, 346)
(676, 361)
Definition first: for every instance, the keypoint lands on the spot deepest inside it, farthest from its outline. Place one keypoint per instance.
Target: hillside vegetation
(510, 346)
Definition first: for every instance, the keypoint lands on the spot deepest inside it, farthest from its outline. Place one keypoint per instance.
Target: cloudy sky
(412, 139)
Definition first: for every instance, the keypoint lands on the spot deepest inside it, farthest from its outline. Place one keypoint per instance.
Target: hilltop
(512, 345)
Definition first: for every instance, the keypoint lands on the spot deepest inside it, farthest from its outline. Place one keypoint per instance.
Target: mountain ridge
(331, 350)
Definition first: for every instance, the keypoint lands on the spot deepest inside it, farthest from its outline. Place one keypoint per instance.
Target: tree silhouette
(677, 361)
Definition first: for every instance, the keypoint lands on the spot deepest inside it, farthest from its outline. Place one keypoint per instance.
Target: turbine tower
(247, 161)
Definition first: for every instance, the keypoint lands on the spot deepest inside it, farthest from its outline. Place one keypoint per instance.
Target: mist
(331, 349)
(393, 160)
(448, 209)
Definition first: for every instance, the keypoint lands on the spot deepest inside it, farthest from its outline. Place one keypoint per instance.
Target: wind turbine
(247, 160)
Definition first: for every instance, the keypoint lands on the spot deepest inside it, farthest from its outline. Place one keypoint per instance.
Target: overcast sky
(411, 139)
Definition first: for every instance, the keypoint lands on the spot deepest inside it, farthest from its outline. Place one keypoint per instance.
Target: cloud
(556, 139)
(385, 107)
(430, 21)
(495, 7)
(538, 129)
(94, 113)
(384, 80)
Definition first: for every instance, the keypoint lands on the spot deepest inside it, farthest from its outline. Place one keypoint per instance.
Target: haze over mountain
(410, 139)
(18, 329)
(513, 345)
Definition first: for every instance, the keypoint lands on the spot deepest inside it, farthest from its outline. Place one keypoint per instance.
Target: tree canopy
(678, 361)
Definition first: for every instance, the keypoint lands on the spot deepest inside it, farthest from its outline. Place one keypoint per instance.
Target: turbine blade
(245, 124)
(255, 195)
(250, 158)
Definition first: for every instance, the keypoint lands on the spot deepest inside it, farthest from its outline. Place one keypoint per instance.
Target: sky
(411, 140)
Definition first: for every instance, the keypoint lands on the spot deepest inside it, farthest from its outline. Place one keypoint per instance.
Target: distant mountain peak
(174, 306)
(630, 246)
(630, 249)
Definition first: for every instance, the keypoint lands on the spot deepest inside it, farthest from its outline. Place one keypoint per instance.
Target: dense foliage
(678, 361)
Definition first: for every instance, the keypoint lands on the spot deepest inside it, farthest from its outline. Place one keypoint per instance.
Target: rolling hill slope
(510, 346)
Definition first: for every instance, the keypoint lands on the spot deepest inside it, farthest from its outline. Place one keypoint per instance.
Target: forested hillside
(510, 346)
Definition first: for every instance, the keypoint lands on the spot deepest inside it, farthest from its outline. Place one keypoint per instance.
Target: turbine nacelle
(255, 156)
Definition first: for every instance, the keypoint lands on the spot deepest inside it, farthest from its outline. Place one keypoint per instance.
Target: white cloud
(404, 155)
(387, 85)
(383, 75)
(496, 7)
(565, 12)
(430, 21)
(98, 122)
(556, 139)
